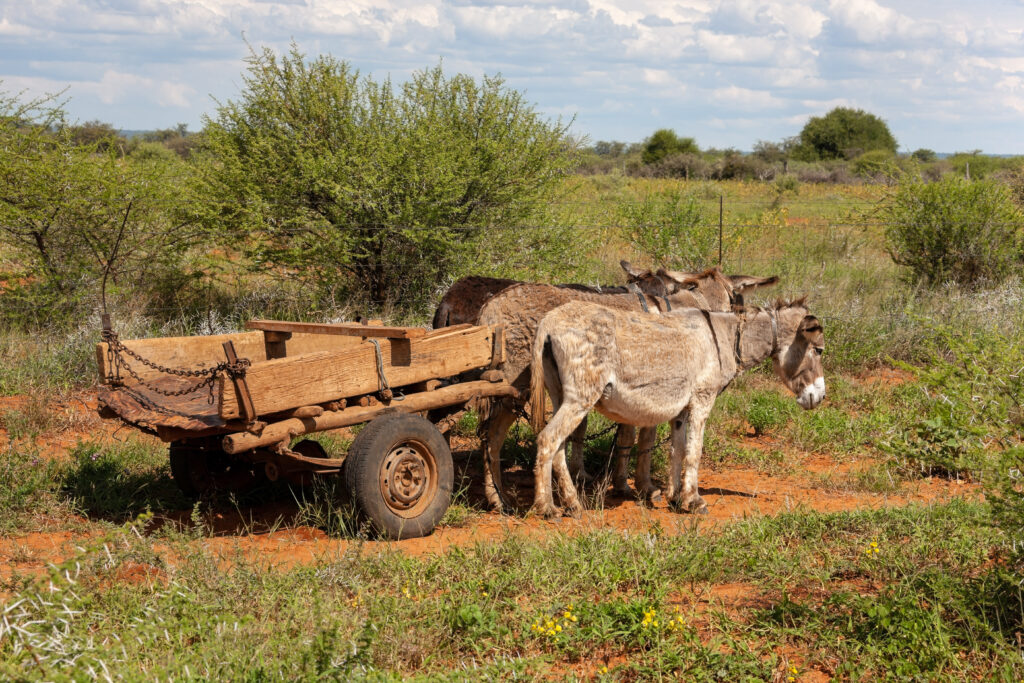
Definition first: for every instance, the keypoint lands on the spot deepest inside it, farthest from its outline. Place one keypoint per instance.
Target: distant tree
(664, 143)
(613, 148)
(177, 139)
(96, 133)
(924, 155)
(844, 133)
(770, 152)
(334, 177)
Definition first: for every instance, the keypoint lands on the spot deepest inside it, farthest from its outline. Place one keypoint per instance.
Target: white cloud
(745, 98)
(733, 48)
(630, 66)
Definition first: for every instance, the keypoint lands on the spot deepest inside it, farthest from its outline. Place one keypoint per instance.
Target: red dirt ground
(732, 493)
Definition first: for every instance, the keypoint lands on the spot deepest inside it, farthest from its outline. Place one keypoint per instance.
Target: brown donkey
(464, 299)
(643, 370)
(520, 308)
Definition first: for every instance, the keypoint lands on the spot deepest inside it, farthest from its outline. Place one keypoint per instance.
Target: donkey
(464, 299)
(643, 370)
(520, 308)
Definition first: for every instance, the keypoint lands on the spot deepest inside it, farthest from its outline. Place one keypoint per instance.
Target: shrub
(879, 162)
(323, 174)
(971, 418)
(79, 218)
(684, 165)
(669, 228)
(768, 411)
(954, 230)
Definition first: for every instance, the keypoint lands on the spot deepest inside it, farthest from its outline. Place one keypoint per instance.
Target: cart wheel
(399, 470)
(200, 467)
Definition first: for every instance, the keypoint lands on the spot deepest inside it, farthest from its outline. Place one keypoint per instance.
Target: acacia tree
(75, 215)
(319, 171)
(844, 133)
(665, 143)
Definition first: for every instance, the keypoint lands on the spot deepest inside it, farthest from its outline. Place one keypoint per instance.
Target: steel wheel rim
(408, 478)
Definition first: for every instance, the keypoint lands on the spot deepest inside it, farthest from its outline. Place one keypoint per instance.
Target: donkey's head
(796, 358)
(646, 281)
(714, 285)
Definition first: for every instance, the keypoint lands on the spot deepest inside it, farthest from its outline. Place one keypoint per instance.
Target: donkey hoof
(548, 512)
(697, 506)
(653, 496)
(574, 511)
(625, 493)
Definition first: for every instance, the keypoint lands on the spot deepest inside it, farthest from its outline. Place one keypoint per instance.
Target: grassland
(111, 573)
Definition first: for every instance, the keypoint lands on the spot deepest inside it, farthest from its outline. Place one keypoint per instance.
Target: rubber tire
(368, 453)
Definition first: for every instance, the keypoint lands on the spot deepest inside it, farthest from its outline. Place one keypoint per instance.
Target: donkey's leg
(645, 489)
(675, 457)
(579, 436)
(566, 488)
(624, 438)
(551, 450)
(500, 418)
(688, 498)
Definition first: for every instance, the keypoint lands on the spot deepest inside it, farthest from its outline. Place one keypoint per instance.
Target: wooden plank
(286, 383)
(456, 394)
(345, 329)
(191, 353)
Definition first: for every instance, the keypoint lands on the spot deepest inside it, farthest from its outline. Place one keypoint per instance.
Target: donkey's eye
(818, 350)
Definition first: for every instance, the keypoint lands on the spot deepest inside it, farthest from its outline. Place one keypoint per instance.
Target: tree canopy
(337, 177)
(665, 143)
(844, 133)
(75, 214)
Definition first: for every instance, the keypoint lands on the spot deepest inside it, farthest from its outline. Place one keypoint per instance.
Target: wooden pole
(721, 213)
(333, 419)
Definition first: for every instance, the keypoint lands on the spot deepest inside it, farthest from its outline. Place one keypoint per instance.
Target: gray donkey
(643, 369)
(519, 309)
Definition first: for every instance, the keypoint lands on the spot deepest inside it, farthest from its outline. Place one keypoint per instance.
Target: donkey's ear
(811, 330)
(633, 271)
(744, 284)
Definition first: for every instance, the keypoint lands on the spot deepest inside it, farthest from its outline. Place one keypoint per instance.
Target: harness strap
(739, 341)
(773, 319)
(639, 295)
(714, 335)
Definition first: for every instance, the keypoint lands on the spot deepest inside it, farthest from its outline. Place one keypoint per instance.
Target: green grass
(929, 604)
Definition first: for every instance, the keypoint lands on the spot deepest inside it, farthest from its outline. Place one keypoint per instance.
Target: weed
(119, 480)
(28, 488)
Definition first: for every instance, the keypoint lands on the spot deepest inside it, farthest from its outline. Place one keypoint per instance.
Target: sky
(946, 75)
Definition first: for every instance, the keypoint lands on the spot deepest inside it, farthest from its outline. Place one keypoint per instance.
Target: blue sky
(944, 74)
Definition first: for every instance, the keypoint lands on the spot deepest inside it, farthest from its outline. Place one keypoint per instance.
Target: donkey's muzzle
(812, 395)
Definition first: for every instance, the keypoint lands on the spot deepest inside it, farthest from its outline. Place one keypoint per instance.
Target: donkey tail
(441, 315)
(537, 403)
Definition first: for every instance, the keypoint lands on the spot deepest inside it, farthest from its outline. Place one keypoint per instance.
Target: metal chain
(115, 349)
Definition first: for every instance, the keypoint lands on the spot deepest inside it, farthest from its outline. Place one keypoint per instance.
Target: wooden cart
(232, 405)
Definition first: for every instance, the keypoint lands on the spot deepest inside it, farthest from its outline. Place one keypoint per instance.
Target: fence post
(721, 205)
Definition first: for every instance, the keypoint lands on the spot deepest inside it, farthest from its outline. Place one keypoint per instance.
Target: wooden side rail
(345, 329)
